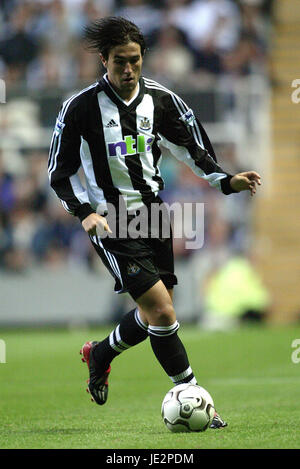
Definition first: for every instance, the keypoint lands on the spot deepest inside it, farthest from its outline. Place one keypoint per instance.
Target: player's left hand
(245, 181)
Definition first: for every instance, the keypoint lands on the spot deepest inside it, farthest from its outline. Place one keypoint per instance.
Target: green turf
(249, 372)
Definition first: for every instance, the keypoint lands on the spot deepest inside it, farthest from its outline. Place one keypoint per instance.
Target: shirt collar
(127, 103)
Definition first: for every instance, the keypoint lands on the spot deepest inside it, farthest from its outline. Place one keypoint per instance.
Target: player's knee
(162, 315)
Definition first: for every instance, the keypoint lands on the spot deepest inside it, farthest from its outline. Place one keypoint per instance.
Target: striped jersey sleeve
(64, 163)
(182, 135)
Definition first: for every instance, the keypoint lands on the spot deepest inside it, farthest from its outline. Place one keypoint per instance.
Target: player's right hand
(95, 224)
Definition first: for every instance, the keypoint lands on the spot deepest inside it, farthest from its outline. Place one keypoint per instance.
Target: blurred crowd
(41, 48)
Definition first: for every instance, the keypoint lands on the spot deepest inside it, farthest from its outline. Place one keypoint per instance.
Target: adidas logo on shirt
(112, 123)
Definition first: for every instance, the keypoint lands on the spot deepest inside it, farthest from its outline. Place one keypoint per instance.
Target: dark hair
(104, 34)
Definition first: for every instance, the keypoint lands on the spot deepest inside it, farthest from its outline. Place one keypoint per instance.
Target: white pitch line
(255, 381)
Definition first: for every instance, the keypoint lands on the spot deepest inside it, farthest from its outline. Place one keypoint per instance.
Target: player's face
(124, 67)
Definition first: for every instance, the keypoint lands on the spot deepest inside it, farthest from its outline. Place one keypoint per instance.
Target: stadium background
(234, 63)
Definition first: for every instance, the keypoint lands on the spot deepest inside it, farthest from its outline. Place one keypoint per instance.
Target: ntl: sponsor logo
(130, 145)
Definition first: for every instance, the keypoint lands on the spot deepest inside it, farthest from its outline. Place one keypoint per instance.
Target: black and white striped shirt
(119, 146)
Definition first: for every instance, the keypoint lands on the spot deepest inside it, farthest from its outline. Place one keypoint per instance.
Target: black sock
(131, 331)
(171, 354)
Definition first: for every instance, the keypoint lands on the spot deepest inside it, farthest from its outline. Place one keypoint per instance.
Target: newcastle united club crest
(133, 269)
(145, 124)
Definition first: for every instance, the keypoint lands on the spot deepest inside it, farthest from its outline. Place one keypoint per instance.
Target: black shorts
(137, 264)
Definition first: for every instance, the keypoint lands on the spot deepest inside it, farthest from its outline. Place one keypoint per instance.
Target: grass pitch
(249, 372)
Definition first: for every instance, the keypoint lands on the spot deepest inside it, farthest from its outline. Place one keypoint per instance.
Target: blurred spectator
(211, 27)
(235, 293)
(56, 27)
(53, 235)
(7, 201)
(17, 46)
(7, 197)
(249, 53)
(208, 24)
(51, 69)
(170, 60)
(143, 14)
(88, 67)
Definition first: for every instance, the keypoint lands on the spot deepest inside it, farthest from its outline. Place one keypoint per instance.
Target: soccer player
(117, 130)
